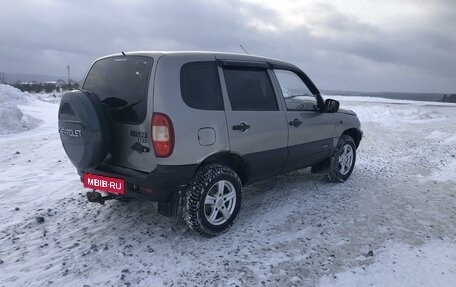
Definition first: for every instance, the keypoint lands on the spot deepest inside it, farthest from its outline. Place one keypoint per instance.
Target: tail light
(162, 135)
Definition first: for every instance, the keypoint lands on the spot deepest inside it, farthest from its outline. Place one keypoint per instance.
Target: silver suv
(190, 129)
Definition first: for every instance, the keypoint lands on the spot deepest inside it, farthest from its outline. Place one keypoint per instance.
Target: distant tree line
(47, 87)
(449, 98)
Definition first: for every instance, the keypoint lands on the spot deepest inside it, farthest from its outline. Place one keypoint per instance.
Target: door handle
(241, 127)
(295, 123)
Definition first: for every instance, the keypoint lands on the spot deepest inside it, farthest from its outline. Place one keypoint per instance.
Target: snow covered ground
(393, 223)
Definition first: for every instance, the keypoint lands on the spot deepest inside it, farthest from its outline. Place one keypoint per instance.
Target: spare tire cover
(84, 128)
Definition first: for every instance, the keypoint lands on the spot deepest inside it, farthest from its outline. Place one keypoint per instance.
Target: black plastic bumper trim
(164, 180)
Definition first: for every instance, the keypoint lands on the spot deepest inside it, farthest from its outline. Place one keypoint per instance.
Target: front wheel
(212, 200)
(343, 160)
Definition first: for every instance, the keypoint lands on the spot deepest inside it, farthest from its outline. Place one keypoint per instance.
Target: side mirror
(331, 106)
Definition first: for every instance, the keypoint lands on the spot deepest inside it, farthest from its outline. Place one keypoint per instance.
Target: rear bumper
(158, 185)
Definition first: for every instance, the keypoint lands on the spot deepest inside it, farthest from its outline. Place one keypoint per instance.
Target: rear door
(257, 128)
(311, 131)
(123, 83)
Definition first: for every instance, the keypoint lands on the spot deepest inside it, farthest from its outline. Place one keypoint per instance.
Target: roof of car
(223, 56)
(233, 56)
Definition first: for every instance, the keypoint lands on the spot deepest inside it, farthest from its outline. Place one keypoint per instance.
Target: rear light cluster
(162, 135)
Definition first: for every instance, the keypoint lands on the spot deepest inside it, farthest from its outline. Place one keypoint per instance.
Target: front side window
(250, 89)
(297, 95)
(121, 83)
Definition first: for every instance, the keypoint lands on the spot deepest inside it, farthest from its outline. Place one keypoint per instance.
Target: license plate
(104, 183)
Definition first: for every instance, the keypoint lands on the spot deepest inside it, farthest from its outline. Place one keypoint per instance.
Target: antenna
(244, 49)
(123, 53)
(68, 72)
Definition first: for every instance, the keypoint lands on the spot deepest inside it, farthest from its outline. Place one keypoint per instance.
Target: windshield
(121, 83)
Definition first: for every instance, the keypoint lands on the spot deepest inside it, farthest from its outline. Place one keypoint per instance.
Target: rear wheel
(212, 200)
(343, 160)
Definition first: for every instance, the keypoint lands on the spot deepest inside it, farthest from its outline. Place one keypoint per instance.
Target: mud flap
(171, 207)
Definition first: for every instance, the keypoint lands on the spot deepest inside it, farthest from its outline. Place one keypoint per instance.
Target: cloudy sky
(370, 45)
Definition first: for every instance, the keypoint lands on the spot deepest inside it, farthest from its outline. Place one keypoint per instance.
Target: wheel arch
(355, 134)
(232, 160)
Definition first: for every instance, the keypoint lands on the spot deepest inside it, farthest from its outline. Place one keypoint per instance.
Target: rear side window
(200, 86)
(250, 89)
(121, 83)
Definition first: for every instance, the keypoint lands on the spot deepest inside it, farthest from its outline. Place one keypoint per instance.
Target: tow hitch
(94, 196)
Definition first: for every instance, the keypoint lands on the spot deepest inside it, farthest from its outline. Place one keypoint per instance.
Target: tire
(85, 129)
(342, 162)
(212, 200)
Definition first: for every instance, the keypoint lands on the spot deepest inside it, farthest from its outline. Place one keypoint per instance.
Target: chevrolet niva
(189, 129)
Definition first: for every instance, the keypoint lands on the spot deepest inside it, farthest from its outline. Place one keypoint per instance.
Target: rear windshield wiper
(121, 108)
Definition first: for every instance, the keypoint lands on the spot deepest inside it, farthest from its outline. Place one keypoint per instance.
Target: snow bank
(12, 119)
(9, 94)
(401, 265)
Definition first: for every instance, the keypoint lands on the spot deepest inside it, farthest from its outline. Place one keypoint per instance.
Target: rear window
(200, 86)
(121, 83)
